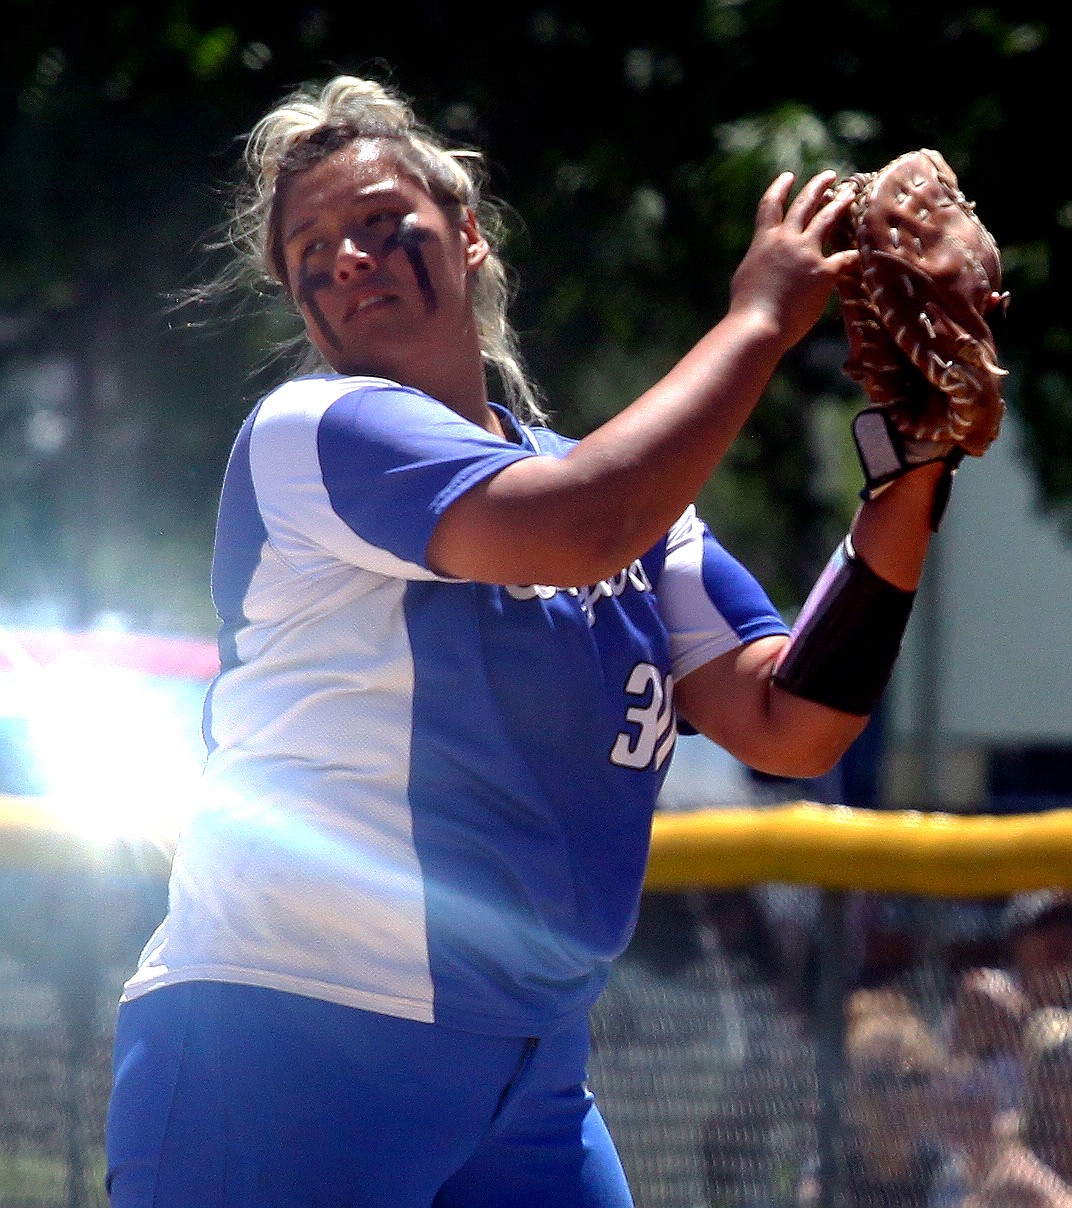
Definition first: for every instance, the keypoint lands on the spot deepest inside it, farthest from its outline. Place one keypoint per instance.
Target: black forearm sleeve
(847, 638)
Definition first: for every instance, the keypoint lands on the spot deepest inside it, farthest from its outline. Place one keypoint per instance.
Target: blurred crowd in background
(967, 1105)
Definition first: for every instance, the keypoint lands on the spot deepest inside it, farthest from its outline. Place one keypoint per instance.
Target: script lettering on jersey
(634, 576)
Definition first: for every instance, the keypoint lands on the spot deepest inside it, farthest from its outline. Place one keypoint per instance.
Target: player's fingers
(832, 212)
(812, 198)
(771, 208)
(843, 262)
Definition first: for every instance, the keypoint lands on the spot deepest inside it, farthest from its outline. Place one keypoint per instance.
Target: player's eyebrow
(384, 187)
(298, 229)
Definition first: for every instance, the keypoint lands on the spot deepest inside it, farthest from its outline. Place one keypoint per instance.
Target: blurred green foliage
(631, 147)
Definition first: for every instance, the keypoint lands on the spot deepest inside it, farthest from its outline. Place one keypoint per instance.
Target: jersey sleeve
(364, 469)
(709, 602)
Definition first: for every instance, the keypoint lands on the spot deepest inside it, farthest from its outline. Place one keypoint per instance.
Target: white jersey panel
(303, 527)
(710, 603)
(276, 830)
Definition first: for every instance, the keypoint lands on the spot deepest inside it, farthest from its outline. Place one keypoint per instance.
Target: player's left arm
(733, 701)
(791, 706)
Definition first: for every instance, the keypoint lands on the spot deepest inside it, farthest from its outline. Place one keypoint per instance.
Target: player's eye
(382, 222)
(306, 251)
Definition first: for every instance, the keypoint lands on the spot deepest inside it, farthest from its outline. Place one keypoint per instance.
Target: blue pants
(235, 1097)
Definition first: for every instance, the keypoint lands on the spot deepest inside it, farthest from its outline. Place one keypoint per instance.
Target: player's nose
(350, 261)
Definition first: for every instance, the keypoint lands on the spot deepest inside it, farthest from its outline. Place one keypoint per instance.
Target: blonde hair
(884, 1025)
(309, 125)
(1047, 1050)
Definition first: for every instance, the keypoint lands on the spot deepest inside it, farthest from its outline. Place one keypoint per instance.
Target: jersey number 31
(650, 738)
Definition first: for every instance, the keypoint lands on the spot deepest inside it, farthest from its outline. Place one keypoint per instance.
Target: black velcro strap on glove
(885, 455)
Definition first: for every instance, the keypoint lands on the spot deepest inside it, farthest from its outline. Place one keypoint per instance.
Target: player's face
(379, 270)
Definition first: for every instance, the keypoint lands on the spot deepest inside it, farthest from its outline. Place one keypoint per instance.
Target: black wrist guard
(885, 455)
(848, 635)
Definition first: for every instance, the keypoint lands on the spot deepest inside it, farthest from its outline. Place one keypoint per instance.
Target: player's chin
(365, 365)
(391, 355)
(351, 358)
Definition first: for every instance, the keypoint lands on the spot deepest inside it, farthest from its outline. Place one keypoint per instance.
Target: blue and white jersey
(426, 797)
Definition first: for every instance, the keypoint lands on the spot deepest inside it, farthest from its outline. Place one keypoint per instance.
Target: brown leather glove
(915, 310)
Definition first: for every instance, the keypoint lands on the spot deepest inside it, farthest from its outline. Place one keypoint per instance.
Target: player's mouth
(368, 301)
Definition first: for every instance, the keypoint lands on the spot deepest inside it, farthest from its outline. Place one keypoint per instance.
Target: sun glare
(118, 752)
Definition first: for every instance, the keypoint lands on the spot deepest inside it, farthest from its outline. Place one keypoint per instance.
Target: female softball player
(456, 648)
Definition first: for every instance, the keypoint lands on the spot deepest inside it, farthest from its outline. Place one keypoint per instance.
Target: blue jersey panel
(240, 537)
(393, 460)
(538, 752)
(740, 598)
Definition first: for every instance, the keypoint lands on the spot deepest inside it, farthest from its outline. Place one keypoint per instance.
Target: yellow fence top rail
(831, 846)
(892, 851)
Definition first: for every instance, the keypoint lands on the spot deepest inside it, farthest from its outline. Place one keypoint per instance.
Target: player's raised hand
(787, 274)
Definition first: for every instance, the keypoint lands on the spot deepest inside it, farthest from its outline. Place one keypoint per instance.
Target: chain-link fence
(761, 1045)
